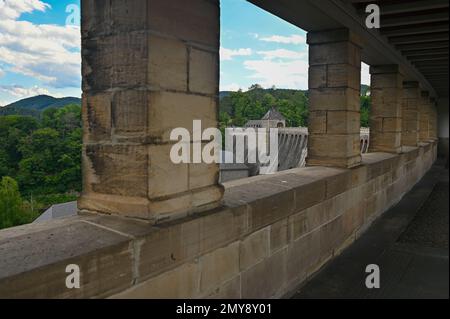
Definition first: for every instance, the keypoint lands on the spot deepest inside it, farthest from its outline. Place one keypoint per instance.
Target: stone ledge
(117, 253)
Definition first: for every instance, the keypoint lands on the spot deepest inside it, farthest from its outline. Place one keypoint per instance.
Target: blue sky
(40, 53)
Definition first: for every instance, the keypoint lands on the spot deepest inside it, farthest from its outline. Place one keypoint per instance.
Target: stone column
(386, 109)
(433, 120)
(334, 98)
(410, 113)
(149, 66)
(424, 110)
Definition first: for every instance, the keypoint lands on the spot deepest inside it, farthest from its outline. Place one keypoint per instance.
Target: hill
(34, 105)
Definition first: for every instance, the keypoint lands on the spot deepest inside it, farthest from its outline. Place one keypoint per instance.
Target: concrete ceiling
(413, 34)
(419, 30)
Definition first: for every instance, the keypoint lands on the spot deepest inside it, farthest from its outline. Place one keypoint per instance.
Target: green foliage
(43, 156)
(13, 211)
(365, 110)
(236, 108)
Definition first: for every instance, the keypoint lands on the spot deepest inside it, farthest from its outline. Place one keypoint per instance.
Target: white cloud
(228, 54)
(282, 54)
(365, 74)
(2, 73)
(12, 9)
(293, 39)
(23, 92)
(49, 53)
(283, 74)
(230, 87)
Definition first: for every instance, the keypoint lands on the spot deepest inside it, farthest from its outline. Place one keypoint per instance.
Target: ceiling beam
(394, 21)
(441, 36)
(441, 61)
(426, 52)
(423, 46)
(420, 29)
(412, 6)
(428, 58)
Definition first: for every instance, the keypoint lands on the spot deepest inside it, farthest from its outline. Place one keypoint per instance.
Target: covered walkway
(409, 244)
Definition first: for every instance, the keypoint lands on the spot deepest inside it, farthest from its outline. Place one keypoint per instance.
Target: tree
(11, 212)
(365, 111)
(12, 129)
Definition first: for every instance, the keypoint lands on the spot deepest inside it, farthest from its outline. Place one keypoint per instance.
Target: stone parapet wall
(272, 233)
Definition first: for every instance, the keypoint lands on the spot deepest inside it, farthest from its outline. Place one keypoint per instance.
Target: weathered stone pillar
(334, 88)
(433, 120)
(386, 109)
(410, 113)
(149, 66)
(424, 110)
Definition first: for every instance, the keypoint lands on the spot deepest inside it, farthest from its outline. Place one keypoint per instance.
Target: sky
(40, 49)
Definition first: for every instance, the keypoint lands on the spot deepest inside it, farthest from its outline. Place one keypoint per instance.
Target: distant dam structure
(292, 153)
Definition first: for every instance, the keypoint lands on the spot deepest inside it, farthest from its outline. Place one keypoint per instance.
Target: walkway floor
(409, 243)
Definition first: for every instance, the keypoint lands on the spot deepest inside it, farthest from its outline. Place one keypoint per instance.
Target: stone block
(164, 177)
(164, 209)
(382, 81)
(204, 72)
(267, 203)
(115, 62)
(343, 76)
(331, 237)
(309, 195)
(96, 17)
(117, 170)
(130, 112)
(197, 23)
(338, 146)
(180, 283)
(167, 63)
(318, 122)
(299, 225)
(303, 254)
(335, 35)
(219, 266)
(254, 248)
(339, 184)
(392, 124)
(317, 76)
(229, 290)
(176, 242)
(279, 235)
(343, 122)
(203, 175)
(168, 110)
(127, 206)
(96, 112)
(334, 99)
(335, 53)
(265, 279)
(33, 264)
(347, 162)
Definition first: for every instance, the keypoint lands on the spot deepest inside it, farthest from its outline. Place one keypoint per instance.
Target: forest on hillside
(40, 162)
